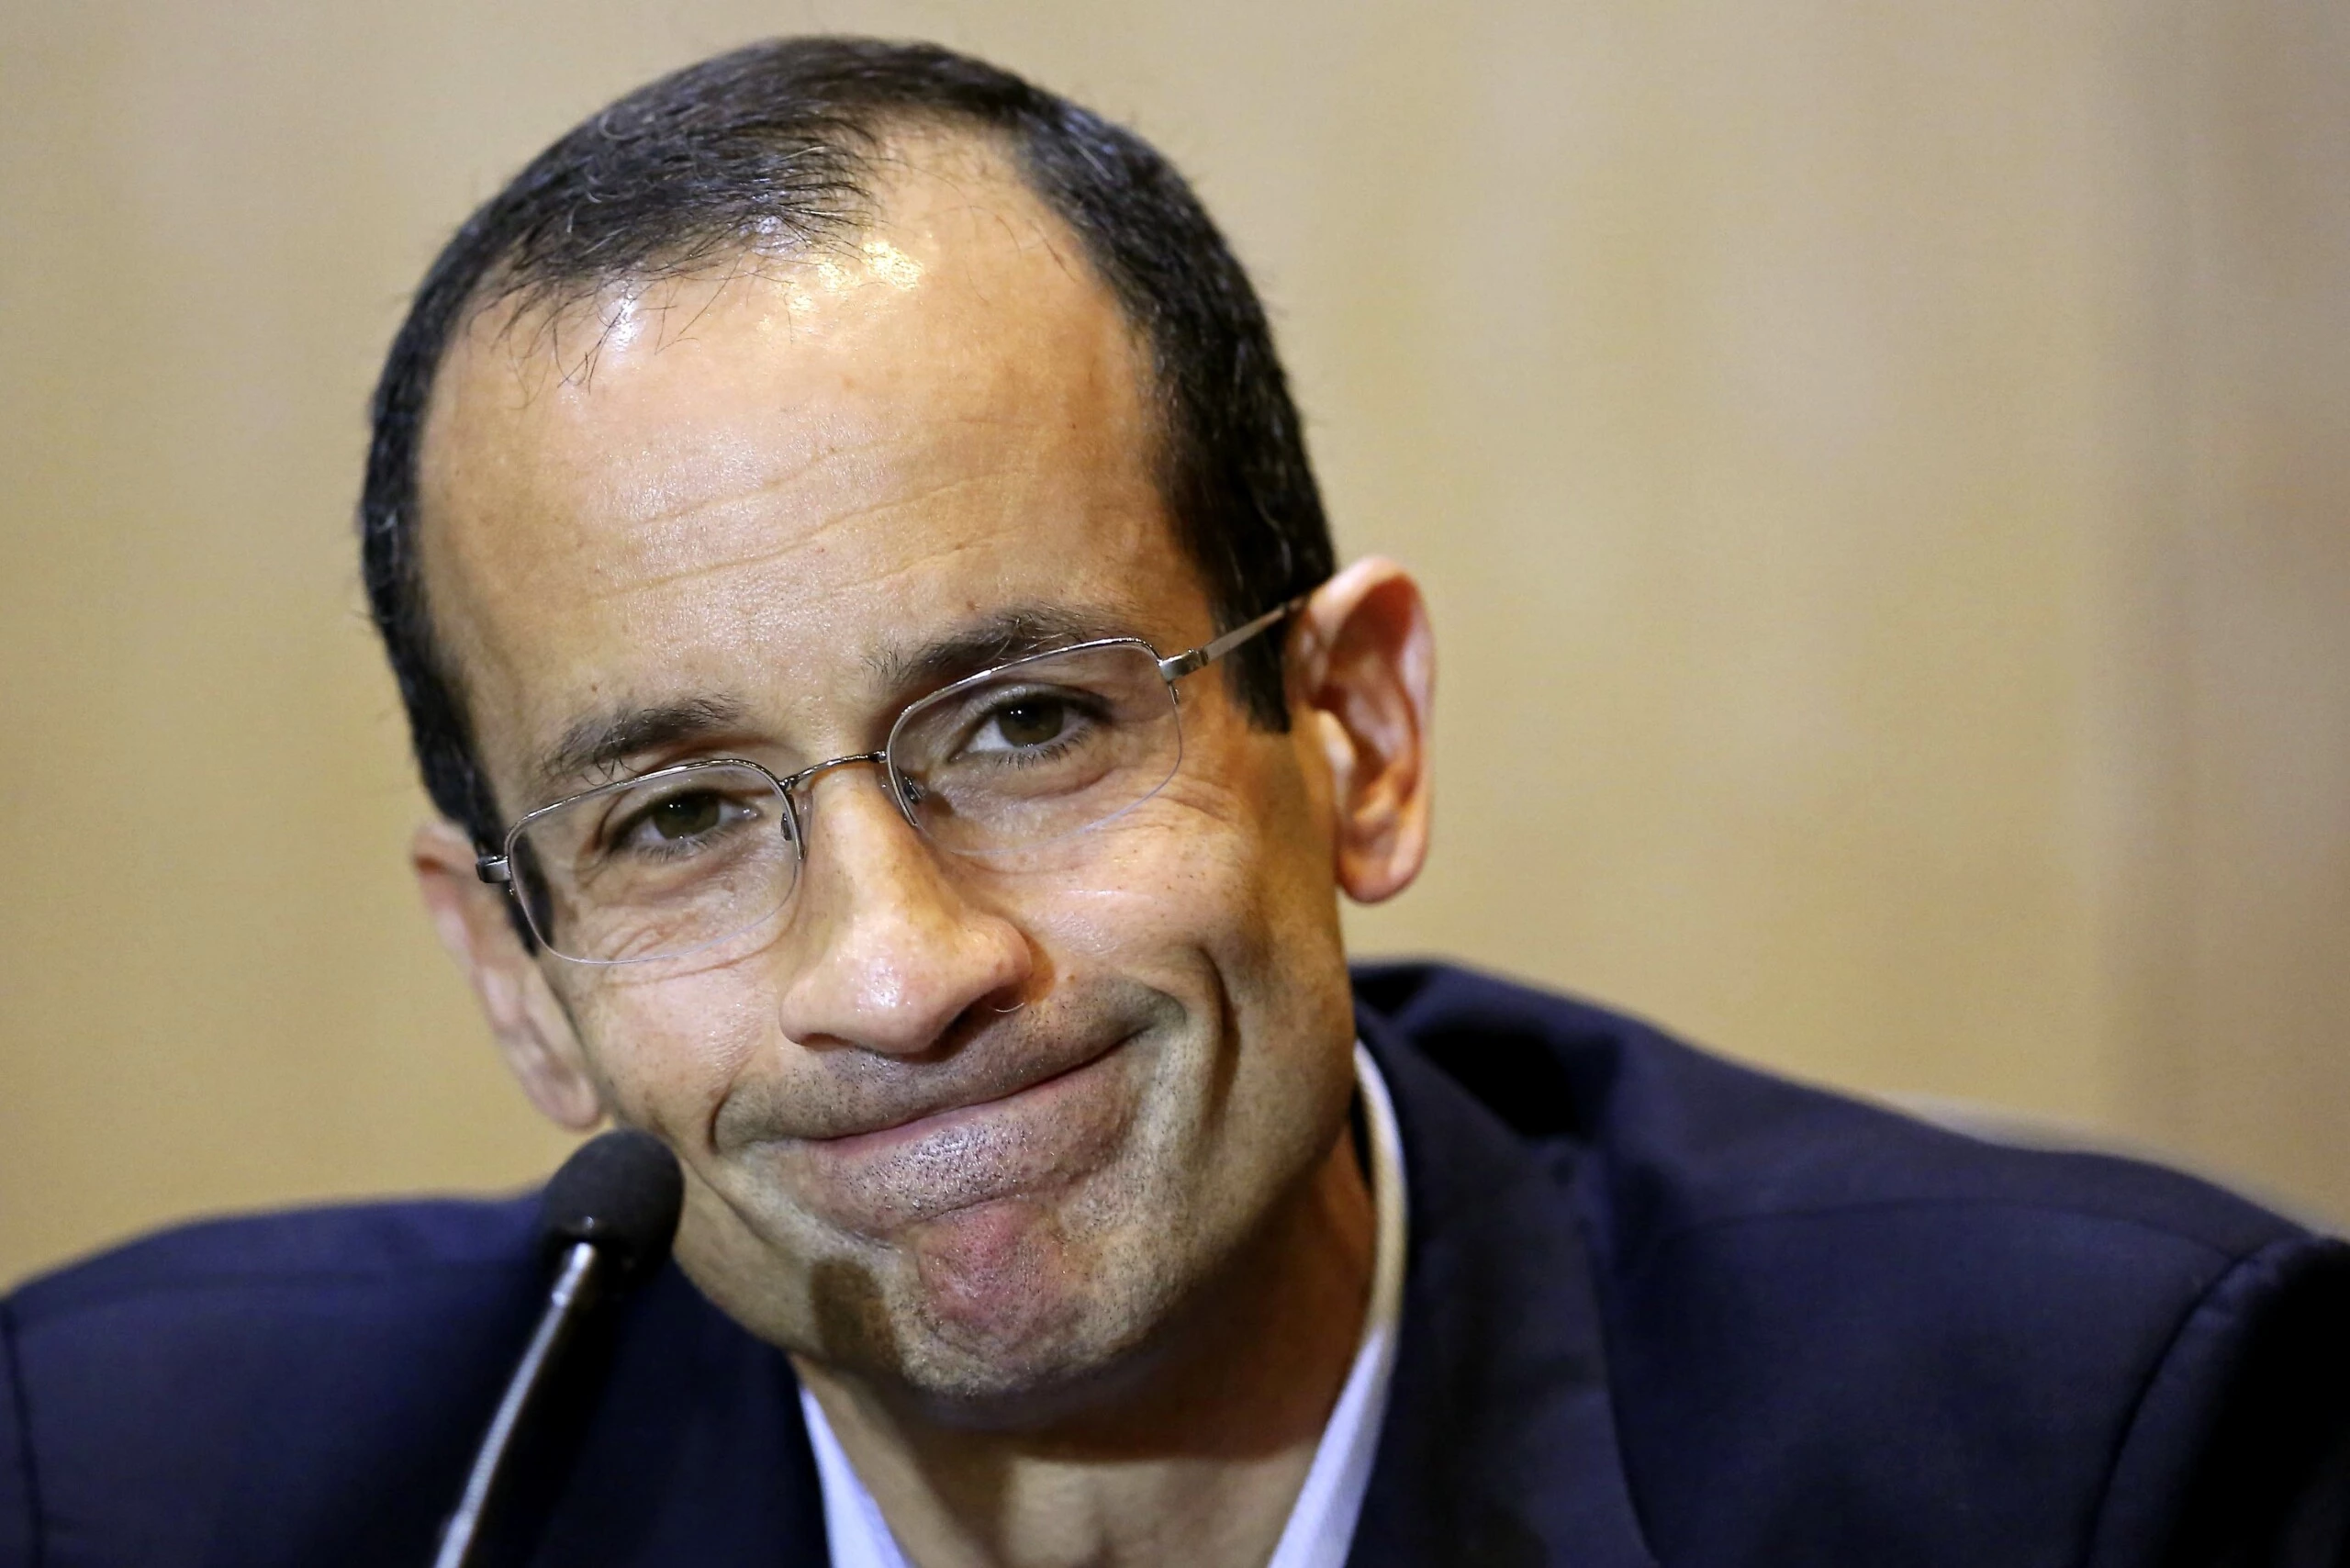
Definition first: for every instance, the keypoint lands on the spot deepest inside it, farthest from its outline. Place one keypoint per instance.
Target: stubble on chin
(1010, 1307)
(988, 1306)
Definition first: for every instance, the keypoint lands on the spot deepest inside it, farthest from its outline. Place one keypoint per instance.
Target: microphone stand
(565, 1301)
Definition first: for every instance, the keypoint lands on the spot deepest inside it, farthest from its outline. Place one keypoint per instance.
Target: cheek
(1153, 893)
(666, 1050)
(1239, 847)
(1217, 892)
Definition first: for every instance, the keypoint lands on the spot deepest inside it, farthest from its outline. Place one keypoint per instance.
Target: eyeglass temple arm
(1206, 654)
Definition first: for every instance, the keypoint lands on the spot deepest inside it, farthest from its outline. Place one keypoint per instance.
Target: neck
(1196, 1462)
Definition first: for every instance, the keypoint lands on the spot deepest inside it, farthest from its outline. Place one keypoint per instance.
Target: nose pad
(799, 790)
(802, 790)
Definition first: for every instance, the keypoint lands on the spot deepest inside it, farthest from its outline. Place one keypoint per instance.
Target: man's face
(981, 1125)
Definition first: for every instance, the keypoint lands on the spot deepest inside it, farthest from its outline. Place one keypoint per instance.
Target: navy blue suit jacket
(1659, 1309)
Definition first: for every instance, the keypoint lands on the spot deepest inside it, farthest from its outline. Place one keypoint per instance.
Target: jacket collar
(1499, 1449)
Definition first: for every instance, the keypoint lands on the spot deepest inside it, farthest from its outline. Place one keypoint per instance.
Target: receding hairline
(886, 152)
(562, 320)
(555, 325)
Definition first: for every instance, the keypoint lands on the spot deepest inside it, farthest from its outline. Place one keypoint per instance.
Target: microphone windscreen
(621, 1193)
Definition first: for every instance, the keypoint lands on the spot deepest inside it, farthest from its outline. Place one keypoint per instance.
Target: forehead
(776, 475)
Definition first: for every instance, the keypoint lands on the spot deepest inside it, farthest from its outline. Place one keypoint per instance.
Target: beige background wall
(1882, 473)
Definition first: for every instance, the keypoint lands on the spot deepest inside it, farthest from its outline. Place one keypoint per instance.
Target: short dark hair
(775, 145)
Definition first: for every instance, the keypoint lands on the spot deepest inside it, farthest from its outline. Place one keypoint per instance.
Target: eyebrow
(601, 742)
(1002, 635)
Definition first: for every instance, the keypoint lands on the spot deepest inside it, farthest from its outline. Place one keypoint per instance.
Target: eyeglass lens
(686, 857)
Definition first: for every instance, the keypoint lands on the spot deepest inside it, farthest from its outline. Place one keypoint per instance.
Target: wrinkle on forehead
(673, 555)
(827, 424)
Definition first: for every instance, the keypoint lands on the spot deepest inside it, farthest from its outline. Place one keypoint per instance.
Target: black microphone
(609, 1213)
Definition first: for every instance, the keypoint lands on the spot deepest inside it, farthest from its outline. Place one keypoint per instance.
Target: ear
(1365, 658)
(476, 924)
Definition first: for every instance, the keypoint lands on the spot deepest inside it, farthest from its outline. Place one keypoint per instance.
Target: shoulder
(1811, 1300)
(144, 1382)
(286, 1251)
(307, 1387)
(305, 1289)
(1690, 1144)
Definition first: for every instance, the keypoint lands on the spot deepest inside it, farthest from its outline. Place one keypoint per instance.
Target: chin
(993, 1317)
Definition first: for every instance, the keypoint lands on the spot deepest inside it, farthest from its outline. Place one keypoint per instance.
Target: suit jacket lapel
(1499, 1447)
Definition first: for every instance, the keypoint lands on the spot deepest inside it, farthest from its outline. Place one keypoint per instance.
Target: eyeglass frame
(498, 869)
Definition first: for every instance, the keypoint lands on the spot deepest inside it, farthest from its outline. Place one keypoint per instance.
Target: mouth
(916, 1124)
(1036, 1133)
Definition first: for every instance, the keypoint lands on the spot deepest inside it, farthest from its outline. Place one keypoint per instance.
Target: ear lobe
(1370, 672)
(477, 926)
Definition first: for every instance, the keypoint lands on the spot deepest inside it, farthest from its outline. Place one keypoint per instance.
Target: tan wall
(1881, 471)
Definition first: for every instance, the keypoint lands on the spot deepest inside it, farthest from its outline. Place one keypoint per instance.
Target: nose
(889, 951)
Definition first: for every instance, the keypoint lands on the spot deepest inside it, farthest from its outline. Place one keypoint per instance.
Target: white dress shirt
(1322, 1522)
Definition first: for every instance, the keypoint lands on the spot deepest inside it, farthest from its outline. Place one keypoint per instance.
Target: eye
(1032, 722)
(685, 816)
(681, 823)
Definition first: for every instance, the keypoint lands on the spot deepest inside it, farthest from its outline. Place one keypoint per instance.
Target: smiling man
(902, 737)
